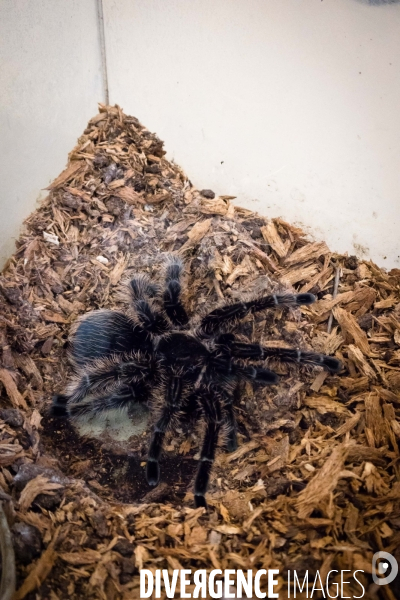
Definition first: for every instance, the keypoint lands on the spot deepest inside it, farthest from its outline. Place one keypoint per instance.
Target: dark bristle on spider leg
(120, 358)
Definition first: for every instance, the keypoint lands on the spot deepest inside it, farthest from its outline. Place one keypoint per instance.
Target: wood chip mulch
(315, 483)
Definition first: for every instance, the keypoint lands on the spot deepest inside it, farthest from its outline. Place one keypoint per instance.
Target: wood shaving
(315, 482)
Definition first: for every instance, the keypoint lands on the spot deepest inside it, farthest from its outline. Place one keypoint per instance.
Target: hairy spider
(155, 350)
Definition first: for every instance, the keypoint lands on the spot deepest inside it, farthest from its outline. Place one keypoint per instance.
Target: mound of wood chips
(315, 483)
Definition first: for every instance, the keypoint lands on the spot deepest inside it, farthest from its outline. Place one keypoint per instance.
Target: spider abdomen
(105, 332)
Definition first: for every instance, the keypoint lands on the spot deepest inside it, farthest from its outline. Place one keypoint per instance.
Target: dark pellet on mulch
(27, 542)
(207, 194)
(12, 417)
(351, 262)
(124, 547)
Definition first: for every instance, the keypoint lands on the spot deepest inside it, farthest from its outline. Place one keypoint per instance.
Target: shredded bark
(315, 482)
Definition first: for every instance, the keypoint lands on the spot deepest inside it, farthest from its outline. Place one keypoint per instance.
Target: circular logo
(383, 564)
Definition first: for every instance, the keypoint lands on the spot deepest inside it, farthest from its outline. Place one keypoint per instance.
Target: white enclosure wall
(293, 106)
(50, 84)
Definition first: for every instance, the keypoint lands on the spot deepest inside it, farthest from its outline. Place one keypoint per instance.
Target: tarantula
(155, 349)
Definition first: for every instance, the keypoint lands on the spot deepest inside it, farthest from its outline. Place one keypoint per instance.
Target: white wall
(293, 106)
(50, 83)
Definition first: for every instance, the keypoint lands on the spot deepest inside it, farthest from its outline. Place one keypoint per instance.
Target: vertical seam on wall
(103, 54)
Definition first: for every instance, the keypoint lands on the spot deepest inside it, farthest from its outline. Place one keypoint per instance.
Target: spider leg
(255, 375)
(169, 412)
(141, 287)
(172, 302)
(151, 319)
(59, 406)
(212, 412)
(230, 426)
(231, 313)
(225, 369)
(103, 377)
(192, 411)
(141, 293)
(257, 352)
(120, 399)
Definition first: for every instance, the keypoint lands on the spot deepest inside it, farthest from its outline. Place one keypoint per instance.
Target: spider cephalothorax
(153, 349)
